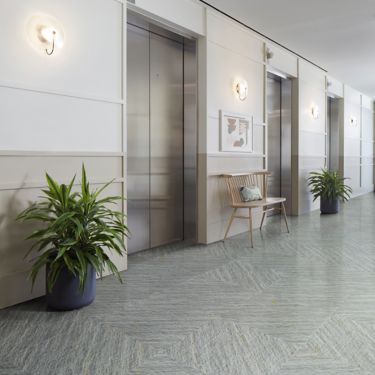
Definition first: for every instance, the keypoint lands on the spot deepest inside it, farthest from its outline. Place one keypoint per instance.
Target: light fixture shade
(45, 33)
(241, 88)
(315, 112)
(353, 121)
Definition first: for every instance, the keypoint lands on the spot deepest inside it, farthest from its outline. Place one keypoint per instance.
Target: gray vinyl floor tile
(297, 304)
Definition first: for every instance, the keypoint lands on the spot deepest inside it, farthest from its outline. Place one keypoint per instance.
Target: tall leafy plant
(328, 185)
(78, 229)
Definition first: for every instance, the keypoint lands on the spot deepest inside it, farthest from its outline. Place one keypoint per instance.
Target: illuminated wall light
(45, 33)
(353, 121)
(241, 88)
(315, 112)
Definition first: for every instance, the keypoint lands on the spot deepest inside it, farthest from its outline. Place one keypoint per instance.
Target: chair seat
(261, 203)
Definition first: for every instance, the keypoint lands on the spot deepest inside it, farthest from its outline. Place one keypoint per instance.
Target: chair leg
(284, 214)
(263, 216)
(251, 228)
(230, 223)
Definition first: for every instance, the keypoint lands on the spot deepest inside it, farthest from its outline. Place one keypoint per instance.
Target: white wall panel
(312, 137)
(283, 61)
(224, 68)
(367, 149)
(312, 144)
(185, 14)
(352, 147)
(312, 74)
(258, 139)
(56, 112)
(353, 173)
(92, 44)
(352, 110)
(367, 125)
(367, 102)
(310, 95)
(335, 87)
(57, 123)
(367, 176)
(234, 37)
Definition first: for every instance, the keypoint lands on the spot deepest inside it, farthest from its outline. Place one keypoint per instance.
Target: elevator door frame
(333, 132)
(189, 146)
(285, 138)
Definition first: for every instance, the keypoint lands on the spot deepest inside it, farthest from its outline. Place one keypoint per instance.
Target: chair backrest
(235, 181)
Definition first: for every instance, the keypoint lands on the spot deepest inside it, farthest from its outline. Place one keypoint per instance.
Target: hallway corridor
(302, 303)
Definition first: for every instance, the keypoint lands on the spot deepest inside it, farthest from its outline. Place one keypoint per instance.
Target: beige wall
(57, 112)
(312, 132)
(358, 141)
(228, 60)
(51, 105)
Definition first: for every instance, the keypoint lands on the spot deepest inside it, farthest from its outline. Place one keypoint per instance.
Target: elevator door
(333, 133)
(155, 139)
(274, 135)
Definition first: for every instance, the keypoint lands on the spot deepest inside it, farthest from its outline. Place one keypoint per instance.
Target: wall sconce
(315, 112)
(353, 121)
(241, 88)
(269, 54)
(45, 33)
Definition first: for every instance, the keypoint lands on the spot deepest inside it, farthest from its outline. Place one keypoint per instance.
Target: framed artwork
(236, 132)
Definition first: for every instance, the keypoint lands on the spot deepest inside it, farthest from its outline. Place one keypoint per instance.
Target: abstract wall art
(236, 132)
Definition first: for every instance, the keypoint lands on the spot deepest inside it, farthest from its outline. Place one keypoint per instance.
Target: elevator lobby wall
(50, 98)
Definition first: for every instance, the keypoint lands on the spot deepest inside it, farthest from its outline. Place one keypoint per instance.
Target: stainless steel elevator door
(166, 140)
(333, 136)
(155, 139)
(138, 135)
(274, 135)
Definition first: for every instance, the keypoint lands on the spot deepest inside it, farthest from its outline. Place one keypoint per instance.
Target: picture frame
(236, 132)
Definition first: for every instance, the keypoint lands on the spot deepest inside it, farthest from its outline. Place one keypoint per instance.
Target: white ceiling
(338, 35)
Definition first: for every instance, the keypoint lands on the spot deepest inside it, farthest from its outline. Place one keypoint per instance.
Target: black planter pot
(329, 206)
(66, 294)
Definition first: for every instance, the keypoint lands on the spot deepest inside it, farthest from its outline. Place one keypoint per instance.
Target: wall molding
(245, 57)
(44, 91)
(42, 184)
(313, 156)
(32, 153)
(234, 155)
(312, 132)
(216, 117)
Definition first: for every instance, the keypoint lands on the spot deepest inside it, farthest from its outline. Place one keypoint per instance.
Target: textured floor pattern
(297, 304)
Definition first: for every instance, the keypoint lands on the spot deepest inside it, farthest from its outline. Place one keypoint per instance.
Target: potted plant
(330, 187)
(78, 231)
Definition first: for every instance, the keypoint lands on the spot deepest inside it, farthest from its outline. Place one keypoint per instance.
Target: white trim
(313, 132)
(226, 154)
(42, 184)
(18, 153)
(313, 156)
(39, 90)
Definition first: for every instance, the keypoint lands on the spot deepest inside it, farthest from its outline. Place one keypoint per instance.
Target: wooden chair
(235, 181)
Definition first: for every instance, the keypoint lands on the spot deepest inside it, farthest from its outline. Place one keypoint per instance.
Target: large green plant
(328, 185)
(78, 229)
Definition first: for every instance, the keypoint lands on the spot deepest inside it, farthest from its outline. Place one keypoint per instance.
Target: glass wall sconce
(241, 88)
(353, 121)
(315, 112)
(45, 33)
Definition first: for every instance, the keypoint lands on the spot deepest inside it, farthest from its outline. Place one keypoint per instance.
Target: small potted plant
(78, 231)
(330, 187)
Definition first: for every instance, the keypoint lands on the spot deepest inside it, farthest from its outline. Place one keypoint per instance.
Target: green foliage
(328, 185)
(78, 229)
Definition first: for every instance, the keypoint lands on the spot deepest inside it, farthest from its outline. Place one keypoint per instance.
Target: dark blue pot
(66, 294)
(329, 206)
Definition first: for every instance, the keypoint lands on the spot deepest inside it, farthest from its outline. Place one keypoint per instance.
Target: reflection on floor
(296, 304)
